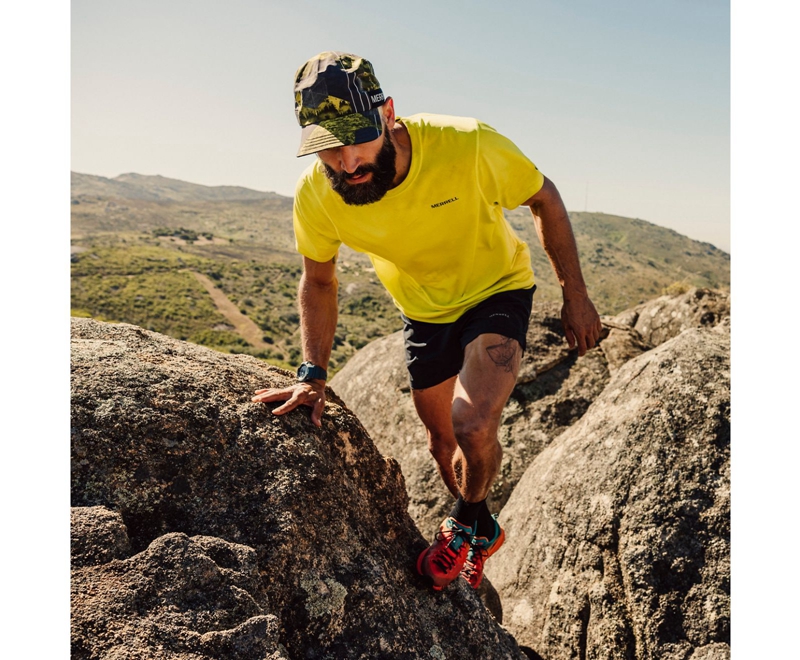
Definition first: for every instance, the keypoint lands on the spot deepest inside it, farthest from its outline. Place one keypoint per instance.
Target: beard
(383, 174)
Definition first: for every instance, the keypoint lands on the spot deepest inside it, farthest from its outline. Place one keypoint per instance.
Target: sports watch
(310, 371)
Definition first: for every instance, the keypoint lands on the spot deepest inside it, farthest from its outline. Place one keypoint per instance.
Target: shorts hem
(432, 381)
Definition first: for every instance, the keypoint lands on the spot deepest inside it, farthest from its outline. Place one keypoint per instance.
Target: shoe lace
(445, 557)
(474, 562)
(470, 571)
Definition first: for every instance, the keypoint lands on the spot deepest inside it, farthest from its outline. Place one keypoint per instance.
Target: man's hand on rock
(581, 323)
(310, 393)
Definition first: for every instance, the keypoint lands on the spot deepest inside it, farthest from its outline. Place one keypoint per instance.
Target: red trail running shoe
(444, 559)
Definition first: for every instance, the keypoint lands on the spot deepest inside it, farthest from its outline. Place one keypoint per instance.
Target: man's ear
(387, 110)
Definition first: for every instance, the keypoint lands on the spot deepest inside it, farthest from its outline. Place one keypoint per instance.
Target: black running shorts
(435, 351)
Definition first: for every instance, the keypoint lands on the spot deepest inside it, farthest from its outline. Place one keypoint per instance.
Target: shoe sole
(496, 545)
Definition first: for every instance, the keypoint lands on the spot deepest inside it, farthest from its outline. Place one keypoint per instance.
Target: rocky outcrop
(554, 389)
(618, 533)
(182, 597)
(252, 533)
(205, 527)
(645, 326)
(666, 317)
(97, 535)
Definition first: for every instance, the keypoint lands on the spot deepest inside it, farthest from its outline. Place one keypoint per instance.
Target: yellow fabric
(439, 242)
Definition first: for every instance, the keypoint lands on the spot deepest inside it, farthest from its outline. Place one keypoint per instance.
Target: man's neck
(402, 145)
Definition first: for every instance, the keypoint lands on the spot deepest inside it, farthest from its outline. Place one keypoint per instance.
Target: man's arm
(581, 321)
(317, 299)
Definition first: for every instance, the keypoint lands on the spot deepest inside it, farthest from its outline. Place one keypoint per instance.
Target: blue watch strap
(310, 371)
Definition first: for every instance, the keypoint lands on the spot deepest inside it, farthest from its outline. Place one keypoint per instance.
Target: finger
(291, 404)
(259, 396)
(272, 395)
(317, 410)
(570, 336)
(581, 343)
(591, 338)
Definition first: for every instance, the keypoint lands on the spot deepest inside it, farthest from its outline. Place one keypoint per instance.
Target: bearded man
(423, 197)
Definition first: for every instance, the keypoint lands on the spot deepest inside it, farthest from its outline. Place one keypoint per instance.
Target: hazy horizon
(290, 196)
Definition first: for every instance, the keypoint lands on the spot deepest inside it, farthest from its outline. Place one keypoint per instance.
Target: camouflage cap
(336, 100)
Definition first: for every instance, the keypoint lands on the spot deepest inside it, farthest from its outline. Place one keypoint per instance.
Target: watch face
(309, 371)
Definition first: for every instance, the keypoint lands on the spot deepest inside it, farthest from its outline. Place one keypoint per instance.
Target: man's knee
(475, 429)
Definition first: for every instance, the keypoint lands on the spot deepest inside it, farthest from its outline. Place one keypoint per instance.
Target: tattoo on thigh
(502, 354)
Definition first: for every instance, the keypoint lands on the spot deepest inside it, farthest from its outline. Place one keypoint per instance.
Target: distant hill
(158, 188)
(135, 236)
(139, 203)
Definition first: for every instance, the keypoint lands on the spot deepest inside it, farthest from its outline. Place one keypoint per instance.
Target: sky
(625, 105)
(44, 129)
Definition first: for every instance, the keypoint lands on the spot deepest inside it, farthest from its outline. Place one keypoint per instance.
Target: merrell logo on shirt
(447, 201)
(376, 98)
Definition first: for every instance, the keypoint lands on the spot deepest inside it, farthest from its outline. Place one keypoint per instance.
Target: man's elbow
(319, 274)
(547, 197)
(317, 283)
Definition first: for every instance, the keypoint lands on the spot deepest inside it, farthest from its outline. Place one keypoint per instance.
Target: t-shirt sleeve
(506, 176)
(314, 234)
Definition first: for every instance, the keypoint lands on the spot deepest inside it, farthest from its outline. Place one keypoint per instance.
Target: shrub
(217, 338)
(676, 288)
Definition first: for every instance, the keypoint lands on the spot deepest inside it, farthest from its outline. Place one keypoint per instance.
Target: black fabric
(466, 512)
(487, 526)
(435, 351)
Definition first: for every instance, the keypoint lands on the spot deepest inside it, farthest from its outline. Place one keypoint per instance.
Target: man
(423, 197)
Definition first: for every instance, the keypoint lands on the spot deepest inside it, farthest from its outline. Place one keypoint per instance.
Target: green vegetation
(219, 339)
(132, 260)
(676, 288)
(146, 285)
(154, 287)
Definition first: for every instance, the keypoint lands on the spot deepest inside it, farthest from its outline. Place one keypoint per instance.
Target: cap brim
(355, 128)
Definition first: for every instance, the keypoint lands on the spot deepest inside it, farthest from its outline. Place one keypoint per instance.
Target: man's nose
(350, 159)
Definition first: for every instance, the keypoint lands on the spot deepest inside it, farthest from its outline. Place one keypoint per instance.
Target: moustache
(359, 171)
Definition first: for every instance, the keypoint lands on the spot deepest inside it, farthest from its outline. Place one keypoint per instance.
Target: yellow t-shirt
(438, 241)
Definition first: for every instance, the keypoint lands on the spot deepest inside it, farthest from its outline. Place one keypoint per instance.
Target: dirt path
(245, 326)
